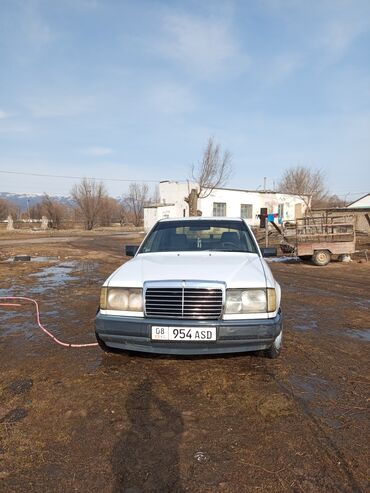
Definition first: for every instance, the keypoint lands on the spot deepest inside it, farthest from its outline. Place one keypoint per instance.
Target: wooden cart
(319, 237)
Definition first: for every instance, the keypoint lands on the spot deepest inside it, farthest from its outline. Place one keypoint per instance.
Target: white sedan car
(194, 286)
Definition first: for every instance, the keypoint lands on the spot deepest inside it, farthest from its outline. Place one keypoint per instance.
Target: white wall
(234, 199)
(174, 192)
(172, 199)
(154, 214)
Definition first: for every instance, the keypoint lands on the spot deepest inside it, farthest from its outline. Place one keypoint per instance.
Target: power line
(76, 177)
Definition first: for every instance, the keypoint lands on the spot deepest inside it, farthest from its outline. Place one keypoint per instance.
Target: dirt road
(81, 420)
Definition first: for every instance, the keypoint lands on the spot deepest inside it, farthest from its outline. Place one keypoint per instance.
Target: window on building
(219, 209)
(281, 210)
(246, 211)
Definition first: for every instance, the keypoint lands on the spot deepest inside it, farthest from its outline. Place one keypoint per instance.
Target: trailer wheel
(321, 257)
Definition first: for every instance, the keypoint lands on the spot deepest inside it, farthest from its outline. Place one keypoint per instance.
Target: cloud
(339, 34)
(284, 66)
(171, 99)
(97, 151)
(14, 128)
(203, 45)
(58, 106)
(36, 29)
(4, 114)
(327, 29)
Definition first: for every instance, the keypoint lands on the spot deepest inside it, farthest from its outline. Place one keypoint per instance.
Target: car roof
(200, 218)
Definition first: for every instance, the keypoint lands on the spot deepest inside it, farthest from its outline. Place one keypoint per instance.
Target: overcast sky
(133, 89)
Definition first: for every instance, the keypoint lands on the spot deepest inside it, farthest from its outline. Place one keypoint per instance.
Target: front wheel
(321, 257)
(275, 349)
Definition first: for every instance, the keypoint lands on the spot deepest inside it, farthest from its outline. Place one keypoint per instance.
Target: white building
(223, 202)
(363, 202)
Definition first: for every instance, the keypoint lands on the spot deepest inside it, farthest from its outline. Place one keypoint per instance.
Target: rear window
(199, 235)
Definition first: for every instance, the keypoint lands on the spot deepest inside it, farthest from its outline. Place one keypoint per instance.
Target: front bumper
(133, 334)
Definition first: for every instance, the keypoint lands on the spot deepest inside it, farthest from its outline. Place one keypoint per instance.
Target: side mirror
(269, 252)
(131, 250)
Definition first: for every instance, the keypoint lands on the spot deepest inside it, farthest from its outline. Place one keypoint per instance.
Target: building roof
(358, 200)
(239, 189)
(154, 206)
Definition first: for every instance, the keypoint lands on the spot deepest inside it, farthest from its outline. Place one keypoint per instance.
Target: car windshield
(199, 235)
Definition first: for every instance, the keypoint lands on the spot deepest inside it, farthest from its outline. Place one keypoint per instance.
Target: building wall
(361, 215)
(172, 203)
(154, 214)
(174, 192)
(258, 200)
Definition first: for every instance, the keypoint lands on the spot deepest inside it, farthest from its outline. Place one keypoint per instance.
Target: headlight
(250, 301)
(123, 299)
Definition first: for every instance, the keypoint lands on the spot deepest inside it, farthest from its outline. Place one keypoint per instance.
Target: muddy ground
(82, 420)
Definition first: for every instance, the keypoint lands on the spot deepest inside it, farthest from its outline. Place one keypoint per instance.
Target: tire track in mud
(109, 244)
(341, 283)
(322, 437)
(326, 444)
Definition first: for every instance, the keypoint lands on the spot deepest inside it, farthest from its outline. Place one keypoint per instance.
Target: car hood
(235, 269)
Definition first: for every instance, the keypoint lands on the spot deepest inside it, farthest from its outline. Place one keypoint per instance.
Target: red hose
(55, 339)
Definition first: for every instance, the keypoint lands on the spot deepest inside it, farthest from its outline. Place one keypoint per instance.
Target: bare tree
(109, 211)
(213, 171)
(4, 209)
(8, 207)
(308, 184)
(335, 201)
(53, 210)
(155, 198)
(89, 197)
(37, 211)
(123, 213)
(135, 200)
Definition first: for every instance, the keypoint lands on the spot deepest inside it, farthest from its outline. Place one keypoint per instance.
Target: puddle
(317, 395)
(47, 280)
(363, 304)
(310, 325)
(57, 275)
(312, 387)
(362, 334)
(19, 386)
(6, 314)
(32, 259)
(304, 320)
(283, 259)
(201, 457)
(6, 292)
(44, 259)
(14, 415)
(23, 328)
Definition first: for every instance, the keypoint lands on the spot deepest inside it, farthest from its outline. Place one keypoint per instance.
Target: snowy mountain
(23, 200)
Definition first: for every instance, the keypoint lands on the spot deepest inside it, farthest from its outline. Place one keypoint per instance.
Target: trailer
(320, 237)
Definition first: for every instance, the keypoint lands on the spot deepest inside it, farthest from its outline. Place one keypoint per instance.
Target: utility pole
(28, 208)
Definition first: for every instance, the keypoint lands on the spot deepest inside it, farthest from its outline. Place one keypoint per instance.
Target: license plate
(190, 334)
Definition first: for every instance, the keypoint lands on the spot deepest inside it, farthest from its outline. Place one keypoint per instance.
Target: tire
(275, 349)
(321, 257)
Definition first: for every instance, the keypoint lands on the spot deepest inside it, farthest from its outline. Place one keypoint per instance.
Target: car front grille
(184, 302)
